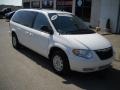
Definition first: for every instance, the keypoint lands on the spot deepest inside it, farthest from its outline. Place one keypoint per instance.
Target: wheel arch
(56, 48)
(13, 33)
(67, 62)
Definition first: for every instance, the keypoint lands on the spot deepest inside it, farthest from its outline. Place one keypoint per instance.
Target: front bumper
(88, 65)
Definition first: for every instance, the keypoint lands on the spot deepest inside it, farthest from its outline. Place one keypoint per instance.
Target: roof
(46, 10)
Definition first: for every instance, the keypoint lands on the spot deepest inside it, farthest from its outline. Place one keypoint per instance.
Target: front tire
(60, 62)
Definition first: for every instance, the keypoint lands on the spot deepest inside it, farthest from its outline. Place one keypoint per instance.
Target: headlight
(83, 53)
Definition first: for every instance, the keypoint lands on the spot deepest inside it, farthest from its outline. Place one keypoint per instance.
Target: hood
(90, 41)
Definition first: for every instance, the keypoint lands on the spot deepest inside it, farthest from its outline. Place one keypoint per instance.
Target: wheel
(60, 62)
(15, 41)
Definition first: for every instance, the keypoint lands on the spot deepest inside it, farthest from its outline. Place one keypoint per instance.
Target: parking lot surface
(26, 70)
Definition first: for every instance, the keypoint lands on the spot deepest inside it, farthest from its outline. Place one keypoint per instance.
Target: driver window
(41, 20)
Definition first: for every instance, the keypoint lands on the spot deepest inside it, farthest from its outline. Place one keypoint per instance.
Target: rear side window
(25, 18)
(41, 20)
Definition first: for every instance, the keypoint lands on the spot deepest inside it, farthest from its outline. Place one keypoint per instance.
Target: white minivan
(62, 38)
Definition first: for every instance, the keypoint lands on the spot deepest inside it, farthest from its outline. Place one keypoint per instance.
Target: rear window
(25, 18)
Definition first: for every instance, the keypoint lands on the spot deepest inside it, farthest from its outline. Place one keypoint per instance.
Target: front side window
(41, 20)
(69, 24)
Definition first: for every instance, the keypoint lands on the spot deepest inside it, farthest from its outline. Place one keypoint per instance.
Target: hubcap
(58, 63)
(14, 41)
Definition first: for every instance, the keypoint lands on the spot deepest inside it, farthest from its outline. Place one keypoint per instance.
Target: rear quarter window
(25, 18)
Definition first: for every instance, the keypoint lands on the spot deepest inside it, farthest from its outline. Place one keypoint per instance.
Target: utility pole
(40, 3)
(73, 6)
(54, 4)
(30, 3)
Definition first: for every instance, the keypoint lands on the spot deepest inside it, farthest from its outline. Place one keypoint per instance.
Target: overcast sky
(11, 2)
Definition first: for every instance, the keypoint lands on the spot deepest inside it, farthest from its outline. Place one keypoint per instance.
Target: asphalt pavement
(26, 70)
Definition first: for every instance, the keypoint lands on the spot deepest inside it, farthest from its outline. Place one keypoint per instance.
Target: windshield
(69, 24)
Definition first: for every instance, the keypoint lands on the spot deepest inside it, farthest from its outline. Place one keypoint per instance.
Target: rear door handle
(18, 28)
(31, 34)
(26, 32)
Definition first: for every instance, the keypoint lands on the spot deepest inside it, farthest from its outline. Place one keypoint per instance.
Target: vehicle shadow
(90, 81)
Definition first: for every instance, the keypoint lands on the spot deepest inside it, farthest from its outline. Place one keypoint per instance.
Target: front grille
(104, 54)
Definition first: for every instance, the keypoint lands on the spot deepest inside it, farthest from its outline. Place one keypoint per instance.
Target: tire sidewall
(17, 43)
(65, 61)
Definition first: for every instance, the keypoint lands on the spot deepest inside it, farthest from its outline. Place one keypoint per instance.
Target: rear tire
(15, 41)
(60, 62)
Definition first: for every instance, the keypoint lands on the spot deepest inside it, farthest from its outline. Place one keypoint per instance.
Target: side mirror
(47, 29)
(90, 26)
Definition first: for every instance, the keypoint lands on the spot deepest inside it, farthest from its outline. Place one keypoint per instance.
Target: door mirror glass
(47, 29)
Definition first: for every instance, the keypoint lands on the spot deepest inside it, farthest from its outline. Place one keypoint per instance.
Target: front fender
(62, 47)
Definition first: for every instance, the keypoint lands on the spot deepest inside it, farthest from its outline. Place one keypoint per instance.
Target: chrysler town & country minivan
(63, 38)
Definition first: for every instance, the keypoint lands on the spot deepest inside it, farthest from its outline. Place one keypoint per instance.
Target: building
(102, 10)
(95, 12)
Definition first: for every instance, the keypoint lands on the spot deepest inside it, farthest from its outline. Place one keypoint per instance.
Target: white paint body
(42, 42)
